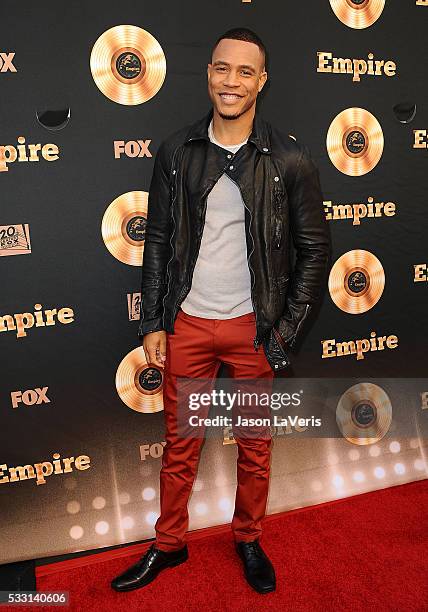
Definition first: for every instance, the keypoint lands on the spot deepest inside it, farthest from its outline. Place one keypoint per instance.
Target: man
(226, 195)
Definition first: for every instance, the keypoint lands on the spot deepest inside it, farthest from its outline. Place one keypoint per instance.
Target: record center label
(129, 65)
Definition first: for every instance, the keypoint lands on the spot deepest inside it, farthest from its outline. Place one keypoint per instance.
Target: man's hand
(154, 344)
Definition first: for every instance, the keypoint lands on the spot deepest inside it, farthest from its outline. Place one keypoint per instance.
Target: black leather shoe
(148, 567)
(258, 569)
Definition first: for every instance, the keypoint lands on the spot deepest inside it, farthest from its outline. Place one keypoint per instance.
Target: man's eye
(246, 73)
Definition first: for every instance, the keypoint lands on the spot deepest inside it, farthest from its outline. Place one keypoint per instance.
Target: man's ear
(264, 77)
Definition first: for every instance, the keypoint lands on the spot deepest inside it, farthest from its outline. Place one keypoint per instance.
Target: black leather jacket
(280, 188)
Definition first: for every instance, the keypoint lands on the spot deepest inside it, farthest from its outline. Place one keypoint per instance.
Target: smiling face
(235, 77)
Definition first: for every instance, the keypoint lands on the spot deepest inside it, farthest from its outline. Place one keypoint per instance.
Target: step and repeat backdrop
(88, 92)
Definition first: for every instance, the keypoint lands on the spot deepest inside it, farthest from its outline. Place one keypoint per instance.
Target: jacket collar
(259, 135)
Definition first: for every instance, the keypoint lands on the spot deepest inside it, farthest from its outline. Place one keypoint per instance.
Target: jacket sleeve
(309, 230)
(156, 246)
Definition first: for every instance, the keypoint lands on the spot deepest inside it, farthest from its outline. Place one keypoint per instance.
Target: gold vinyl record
(364, 414)
(128, 64)
(356, 281)
(358, 14)
(140, 385)
(123, 227)
(355, 141)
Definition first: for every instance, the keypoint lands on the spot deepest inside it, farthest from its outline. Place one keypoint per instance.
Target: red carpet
(368, 552)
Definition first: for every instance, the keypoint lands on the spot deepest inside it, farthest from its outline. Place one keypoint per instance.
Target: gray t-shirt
(221, 283)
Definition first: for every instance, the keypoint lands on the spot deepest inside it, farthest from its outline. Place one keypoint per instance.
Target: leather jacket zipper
(278, 232)
(293, 339)
(256, 340)
(174, 195)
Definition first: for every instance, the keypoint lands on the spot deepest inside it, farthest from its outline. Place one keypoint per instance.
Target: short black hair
(243, 34)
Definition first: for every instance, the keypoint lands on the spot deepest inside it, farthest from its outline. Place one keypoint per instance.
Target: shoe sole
(146, 582)
(262, 592)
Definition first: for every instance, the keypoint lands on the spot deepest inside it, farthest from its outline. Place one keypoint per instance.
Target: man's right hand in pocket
(154, 344)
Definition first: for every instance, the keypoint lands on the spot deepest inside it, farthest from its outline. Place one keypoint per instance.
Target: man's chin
(231, 115)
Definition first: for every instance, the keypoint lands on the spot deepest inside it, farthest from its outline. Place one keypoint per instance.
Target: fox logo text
(132, 148)
(30, 397)
(6, 63)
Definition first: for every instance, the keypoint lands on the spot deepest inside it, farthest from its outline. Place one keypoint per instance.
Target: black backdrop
(63, 203)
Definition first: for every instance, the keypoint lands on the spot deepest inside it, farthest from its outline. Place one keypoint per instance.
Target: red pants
(196, 350)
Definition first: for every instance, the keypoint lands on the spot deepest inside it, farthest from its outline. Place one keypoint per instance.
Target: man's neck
(233, 131)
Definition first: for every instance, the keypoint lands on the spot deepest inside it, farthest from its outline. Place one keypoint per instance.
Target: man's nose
(231, 79)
